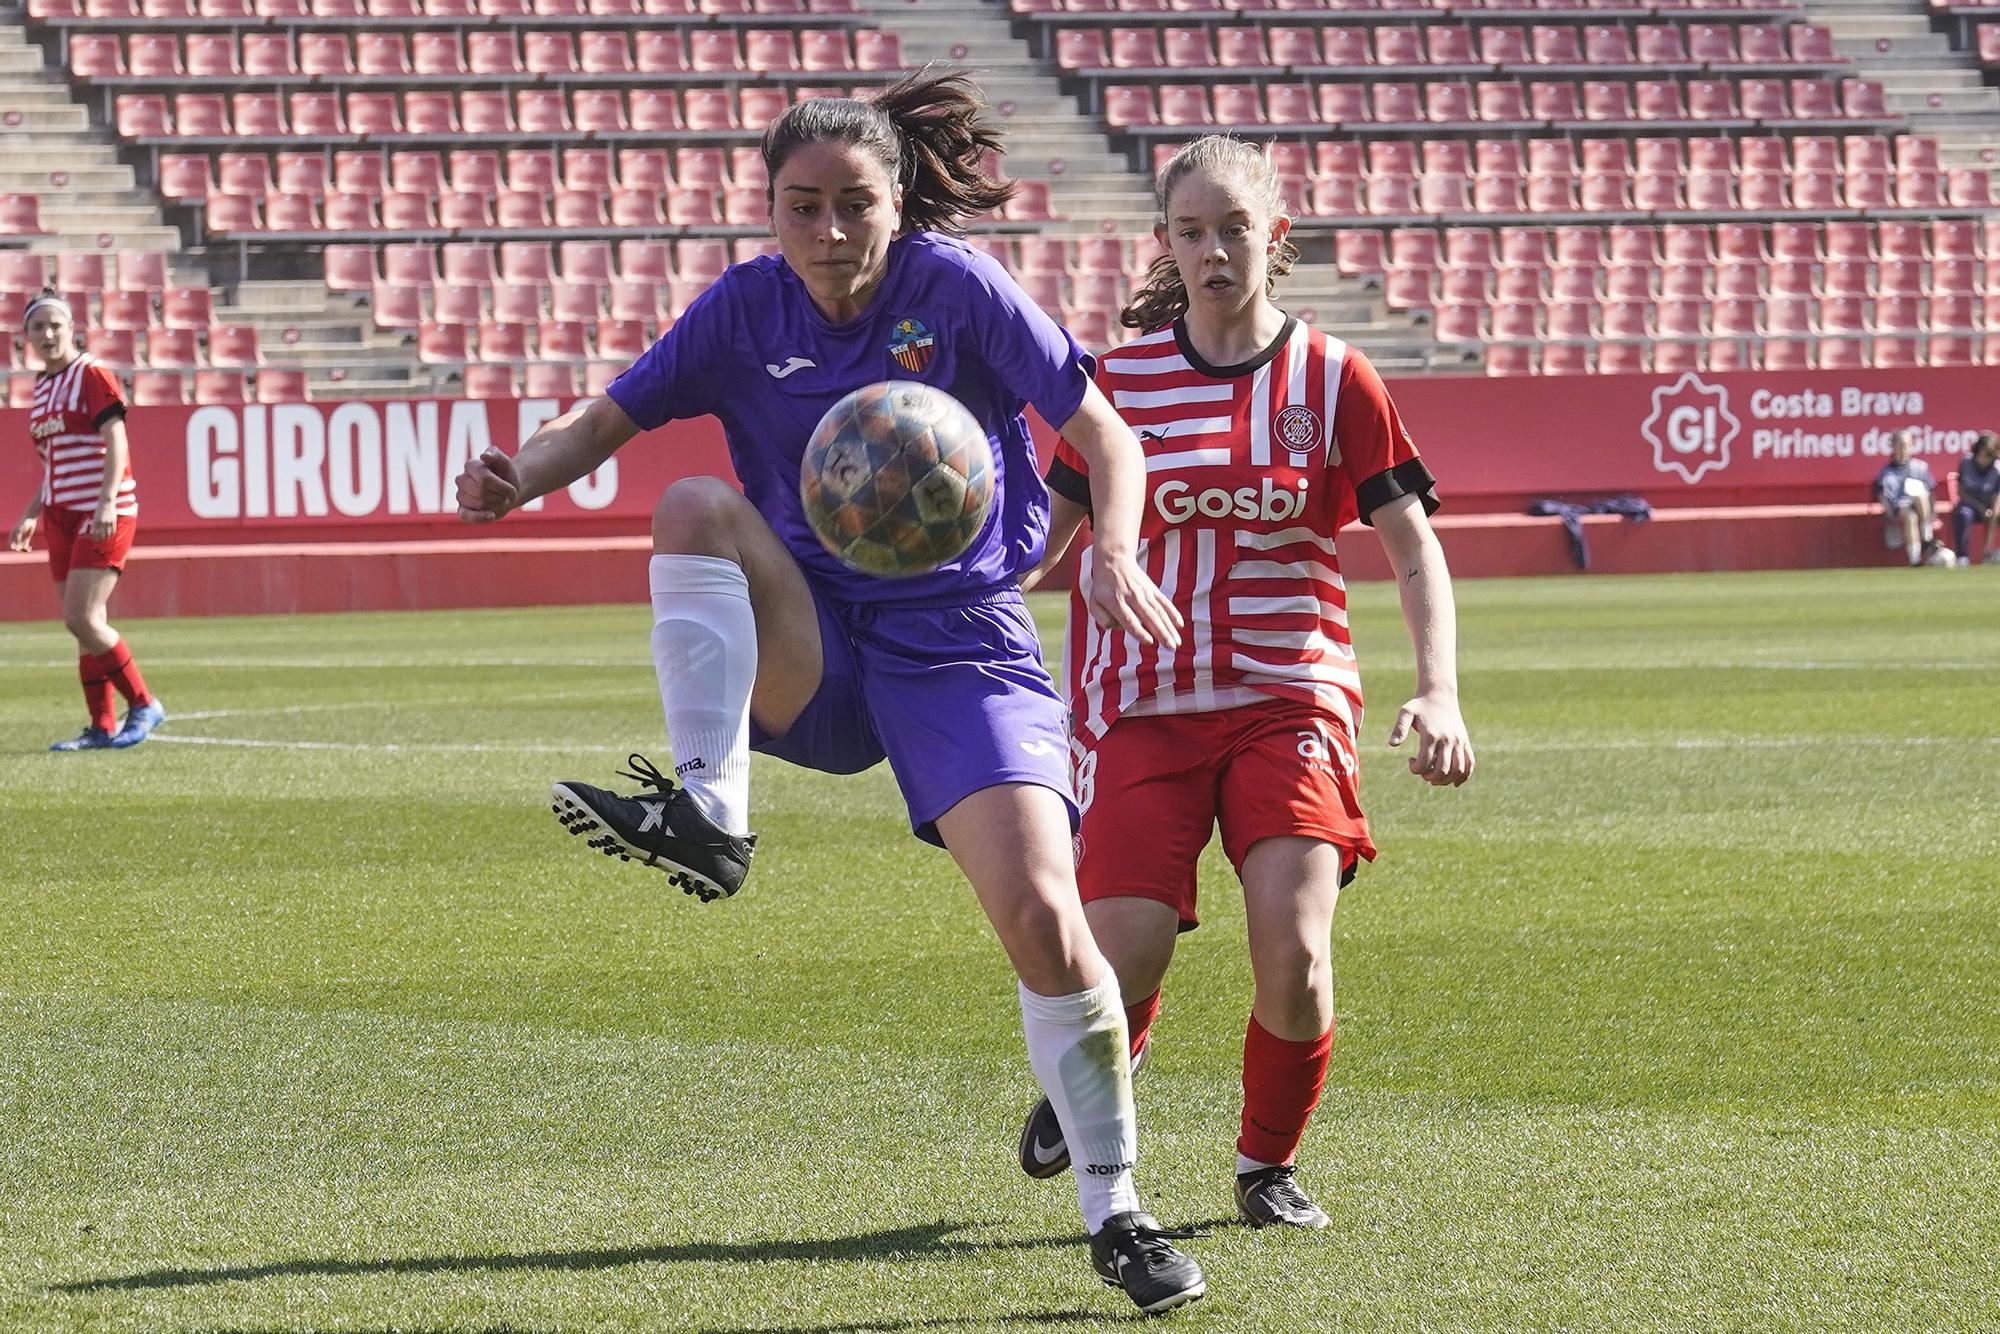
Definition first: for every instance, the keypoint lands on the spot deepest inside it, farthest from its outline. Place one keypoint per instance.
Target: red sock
(95, 674)
(124, 674)
(1139, 1017)
(1281, 1085)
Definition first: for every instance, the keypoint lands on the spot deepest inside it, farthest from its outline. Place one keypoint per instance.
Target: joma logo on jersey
(1177, 502)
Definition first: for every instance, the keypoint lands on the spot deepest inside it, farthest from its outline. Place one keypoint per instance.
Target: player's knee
(697, 516)
(82, 623)
(1295, 976)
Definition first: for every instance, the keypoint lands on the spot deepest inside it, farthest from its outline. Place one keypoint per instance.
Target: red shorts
(1154, 788)
(70, 546)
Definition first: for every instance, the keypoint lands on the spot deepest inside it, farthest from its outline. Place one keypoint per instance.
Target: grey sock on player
(705, 654)
(1077, 1046)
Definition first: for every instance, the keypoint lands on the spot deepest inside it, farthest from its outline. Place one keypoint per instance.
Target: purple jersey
(756, 353)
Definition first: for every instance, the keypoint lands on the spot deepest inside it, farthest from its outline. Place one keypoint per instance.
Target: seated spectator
(1978, 498)
(1904, 487)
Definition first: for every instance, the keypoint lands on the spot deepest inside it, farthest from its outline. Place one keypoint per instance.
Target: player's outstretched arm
(1121, 596)
(1444, 750)
(1065, 520)
(566, 448)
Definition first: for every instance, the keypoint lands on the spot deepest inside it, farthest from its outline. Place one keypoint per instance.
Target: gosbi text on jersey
(1251, 470)
(67, 419)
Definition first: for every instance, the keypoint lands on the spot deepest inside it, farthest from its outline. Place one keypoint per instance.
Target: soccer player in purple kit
(763, 641)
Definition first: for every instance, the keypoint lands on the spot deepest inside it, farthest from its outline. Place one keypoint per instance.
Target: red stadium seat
(233, 345)
(200, 115)
(1347, 47)
(265, 55)
(1185, 104)
(550, 380)
(1343, 103)
(522, 209)
(437, 53)
(186, 308)
(1815, 99)
(457, 305)
(430, 113)
(1556, 44)
(714, 51)
(466, 264)
(493, 53)
(487, 382)
(878, 51)
(1399, 45)
(153, 389)
(1390, 103)
(184, 176)
(405, 264)
(407, 211)
(172, 349)
(460, 210)
(530, 263)
(541, 111)
(1241, 48)
(325, 54)
(549, 53)
(341, 211)
(1555, 102)
(503, 341)
(362, 172)
(441, 344)
(97, 56)
(351, 269)
(421, 172)
(150, 55)
(706, 109)
(1861, 99)
(516, 303)
(1607, 45)
(1238, 104)
(127, 311)
(282, 386)
(1501, 101)
(289, 211)
(313, 114)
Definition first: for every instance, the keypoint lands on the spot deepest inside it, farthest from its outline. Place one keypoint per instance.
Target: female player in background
(1263, 438)
(92, 508)
(764, 641)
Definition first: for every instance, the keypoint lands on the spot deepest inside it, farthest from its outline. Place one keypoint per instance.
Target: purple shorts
(954, 696)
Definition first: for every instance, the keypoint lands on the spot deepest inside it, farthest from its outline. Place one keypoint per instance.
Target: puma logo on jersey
(1177, 502)
(791, 364)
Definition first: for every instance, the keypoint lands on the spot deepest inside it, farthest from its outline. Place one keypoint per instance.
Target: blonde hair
(1162, 296)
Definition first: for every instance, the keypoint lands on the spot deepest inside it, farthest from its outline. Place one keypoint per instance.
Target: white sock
(1246, 1164)
(705, 653)
(1078, 1048)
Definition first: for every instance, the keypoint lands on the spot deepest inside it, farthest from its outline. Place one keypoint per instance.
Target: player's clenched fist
(488, 488)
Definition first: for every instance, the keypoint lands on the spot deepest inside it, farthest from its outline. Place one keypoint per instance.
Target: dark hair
(1162, 296)
(927, 129)
(1986, 440)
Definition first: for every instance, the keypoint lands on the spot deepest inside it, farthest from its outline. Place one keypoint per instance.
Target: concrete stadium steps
(89, 199)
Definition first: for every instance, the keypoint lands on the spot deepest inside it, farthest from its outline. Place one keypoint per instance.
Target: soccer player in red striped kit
(1263, 439)
(92, 507)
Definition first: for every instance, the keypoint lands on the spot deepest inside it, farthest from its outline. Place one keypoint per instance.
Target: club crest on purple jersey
(910, 343)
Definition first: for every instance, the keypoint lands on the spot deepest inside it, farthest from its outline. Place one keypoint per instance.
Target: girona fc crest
(1690, 428)
(1298, 429)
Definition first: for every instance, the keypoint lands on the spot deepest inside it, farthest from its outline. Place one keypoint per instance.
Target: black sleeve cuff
(1070, 484)
(1408, 478)
(112, 412)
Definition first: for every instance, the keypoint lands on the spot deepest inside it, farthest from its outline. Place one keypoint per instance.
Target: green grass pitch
(1685, 1015)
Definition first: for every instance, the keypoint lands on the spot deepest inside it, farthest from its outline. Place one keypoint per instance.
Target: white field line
(475, 747)
(291, 710)
(1695, 744)
(315, 665)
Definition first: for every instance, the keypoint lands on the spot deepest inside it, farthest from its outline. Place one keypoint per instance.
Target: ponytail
(1162, 296)
(929, 132)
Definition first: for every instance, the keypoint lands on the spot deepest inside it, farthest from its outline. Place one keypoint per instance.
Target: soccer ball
(897, 479)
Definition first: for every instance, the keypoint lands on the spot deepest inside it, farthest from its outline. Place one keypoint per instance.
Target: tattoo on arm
(1415, 570)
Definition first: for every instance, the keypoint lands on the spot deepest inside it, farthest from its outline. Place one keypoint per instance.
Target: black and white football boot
(1044, 1152)
(1132, 1251)
(662, 829)
(1270, 1196)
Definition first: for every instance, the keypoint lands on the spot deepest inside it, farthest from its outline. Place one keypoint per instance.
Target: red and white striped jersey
(1251, 471)
(67, 421)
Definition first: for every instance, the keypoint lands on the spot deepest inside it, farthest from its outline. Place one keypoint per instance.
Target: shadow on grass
(912, 1323)
(926, 1239)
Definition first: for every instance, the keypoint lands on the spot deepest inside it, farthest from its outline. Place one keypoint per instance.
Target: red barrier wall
(379, 474)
